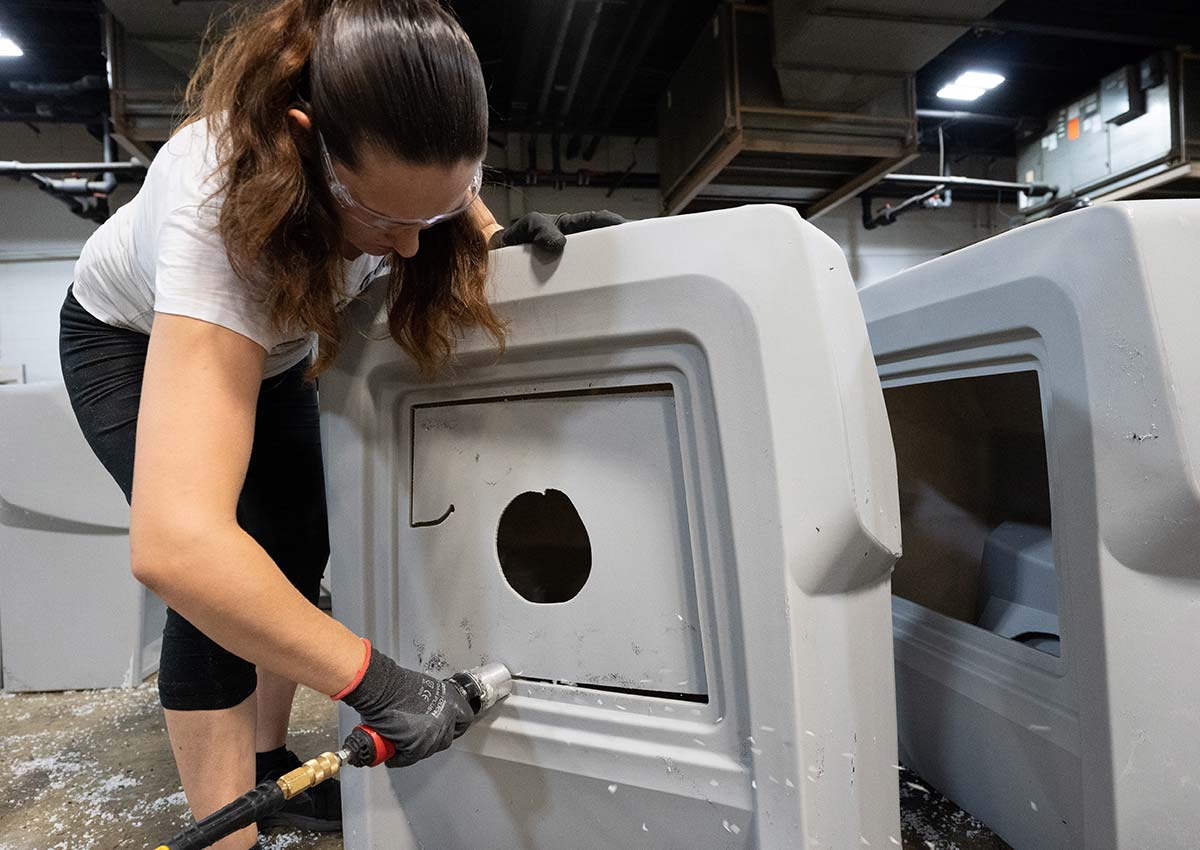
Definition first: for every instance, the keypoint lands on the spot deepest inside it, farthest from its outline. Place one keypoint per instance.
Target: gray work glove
(550, 232)
(421, 715)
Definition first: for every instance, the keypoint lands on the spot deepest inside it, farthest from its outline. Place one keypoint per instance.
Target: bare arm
(484, 218)
(194, 435)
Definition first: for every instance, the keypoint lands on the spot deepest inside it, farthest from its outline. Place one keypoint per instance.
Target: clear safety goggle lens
(366, 216)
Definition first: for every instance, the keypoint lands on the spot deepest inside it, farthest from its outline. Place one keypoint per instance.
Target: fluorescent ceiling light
(985, 80)
(954, 91)
(8, 47)
(970, 85)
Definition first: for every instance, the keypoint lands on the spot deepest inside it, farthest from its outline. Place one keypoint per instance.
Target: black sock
(277, 759)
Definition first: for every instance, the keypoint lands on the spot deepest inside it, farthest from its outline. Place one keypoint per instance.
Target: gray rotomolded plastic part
(1097, 749)
(702, 384)
(1018, 565)
(1018, 596)
(71, 614)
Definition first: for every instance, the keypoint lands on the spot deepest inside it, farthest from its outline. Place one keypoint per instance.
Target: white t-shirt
(161, 253)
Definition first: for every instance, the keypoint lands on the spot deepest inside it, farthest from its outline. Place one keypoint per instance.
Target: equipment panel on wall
(1127, 129)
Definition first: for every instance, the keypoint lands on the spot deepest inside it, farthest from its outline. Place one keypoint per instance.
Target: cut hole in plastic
(613, 689)
(975, 504)
(543, 547)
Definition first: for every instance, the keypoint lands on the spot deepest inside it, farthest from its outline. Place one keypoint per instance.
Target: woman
(324, 139)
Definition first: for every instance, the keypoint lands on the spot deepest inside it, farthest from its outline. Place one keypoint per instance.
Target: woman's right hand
(421, 715)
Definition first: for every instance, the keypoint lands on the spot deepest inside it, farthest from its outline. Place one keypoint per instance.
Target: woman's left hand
(550, 232)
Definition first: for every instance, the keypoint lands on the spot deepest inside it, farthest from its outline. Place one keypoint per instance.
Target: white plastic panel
(39, 465)
(742, 520)
(71, 613)
(616, 456)
(1097, 749)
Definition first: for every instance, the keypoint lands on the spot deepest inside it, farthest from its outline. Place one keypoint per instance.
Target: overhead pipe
(108, 181)
(631, 65)
(60, 7)
(889, 214)
(14, 168)
(551, 72)
(631, 20)
(930, 197)
(997, 25)
(534, 43)
(627, 179)
(86, 198)
(77, 186)
(584, 49)
(968, 117)
(34, 118)
(564, 108)
(84, 85)
(1033, 188)
(621, 181)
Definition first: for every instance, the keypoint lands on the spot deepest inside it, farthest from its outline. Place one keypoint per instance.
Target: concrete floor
(92, 770)
(928, 821)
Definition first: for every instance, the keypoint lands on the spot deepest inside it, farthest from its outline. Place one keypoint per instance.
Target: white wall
(31, 294)
(872, 254)
(913, 238)
(614, 154)
(39, 240)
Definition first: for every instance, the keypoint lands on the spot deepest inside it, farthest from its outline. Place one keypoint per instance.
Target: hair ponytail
(277, 220)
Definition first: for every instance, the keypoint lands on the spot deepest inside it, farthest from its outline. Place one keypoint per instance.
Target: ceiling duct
(804, 103)
(152, 46)
(842, 55)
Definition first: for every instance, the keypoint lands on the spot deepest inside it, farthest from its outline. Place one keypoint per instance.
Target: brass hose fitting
(312, 772)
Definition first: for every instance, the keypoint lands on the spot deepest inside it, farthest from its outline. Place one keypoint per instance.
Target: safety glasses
(378, 221)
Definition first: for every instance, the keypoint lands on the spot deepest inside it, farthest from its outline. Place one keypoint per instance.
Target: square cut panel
(554, 531)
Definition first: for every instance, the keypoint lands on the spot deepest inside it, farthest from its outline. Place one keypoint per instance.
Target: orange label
(1073, 129)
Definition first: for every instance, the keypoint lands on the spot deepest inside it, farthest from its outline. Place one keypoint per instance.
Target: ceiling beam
(999, 25)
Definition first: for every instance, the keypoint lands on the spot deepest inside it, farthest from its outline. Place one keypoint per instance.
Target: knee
(196, 674)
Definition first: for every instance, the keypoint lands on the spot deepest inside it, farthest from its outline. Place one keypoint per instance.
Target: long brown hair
(399, 76)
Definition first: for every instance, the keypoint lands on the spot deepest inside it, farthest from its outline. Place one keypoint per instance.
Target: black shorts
(282, 504)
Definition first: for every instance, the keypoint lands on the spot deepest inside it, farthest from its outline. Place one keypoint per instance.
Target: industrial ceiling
(582, 69)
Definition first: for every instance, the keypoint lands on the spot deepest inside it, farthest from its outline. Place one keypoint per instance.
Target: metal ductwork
(78, 101)
(805, 103)
(844, 55)
(1134, 134)
(152, 46)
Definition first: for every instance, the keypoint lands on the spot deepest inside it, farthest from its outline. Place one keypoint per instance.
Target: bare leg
(275, 695)
(214, 752)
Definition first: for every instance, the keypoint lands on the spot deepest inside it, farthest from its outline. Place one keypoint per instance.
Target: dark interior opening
(975, 504)
(618, 689)
(543, 547)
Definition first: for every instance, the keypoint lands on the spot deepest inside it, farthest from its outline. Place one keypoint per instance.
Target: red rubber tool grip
(384, 749)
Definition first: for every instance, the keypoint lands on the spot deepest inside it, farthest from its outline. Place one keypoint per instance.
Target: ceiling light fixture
(985, 80)
(970, 85)
(953, 91)
(8, 47)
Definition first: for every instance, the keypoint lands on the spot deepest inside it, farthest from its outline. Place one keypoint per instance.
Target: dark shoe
(318, 809)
